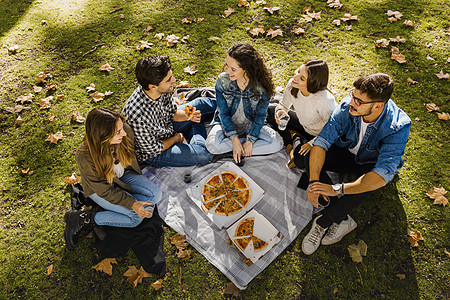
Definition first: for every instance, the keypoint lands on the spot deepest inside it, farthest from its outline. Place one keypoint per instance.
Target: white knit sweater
(313, 111)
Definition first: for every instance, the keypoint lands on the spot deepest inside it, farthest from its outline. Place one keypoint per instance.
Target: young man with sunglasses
(366, 136)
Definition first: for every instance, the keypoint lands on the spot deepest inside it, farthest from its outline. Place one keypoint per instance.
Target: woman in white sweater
(309, 105)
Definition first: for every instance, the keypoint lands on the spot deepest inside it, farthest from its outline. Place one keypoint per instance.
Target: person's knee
(211, 146)
(204, 159)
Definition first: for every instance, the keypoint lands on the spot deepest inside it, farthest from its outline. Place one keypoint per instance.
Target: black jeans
(343, 162)
(293, 124)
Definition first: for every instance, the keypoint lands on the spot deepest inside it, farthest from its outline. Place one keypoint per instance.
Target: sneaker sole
(342, 236)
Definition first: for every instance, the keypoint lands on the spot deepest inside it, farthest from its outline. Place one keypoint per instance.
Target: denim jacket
(383, 143)
(228, 96)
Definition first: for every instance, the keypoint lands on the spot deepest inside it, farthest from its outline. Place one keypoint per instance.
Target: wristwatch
(339, 189)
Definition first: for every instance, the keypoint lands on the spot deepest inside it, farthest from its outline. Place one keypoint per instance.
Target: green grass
(32, 206)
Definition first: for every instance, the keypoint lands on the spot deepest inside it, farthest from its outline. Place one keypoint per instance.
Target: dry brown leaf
(271, 9)
(108, 93)
(43, 22)
(19, 120)
(348, 27)
(309, 16)
(432, 107)
(159, 36)
(335, 290)
(438, 195)
(448, 253)
(45, 102)
(179, 241)
(396, 14)
(358, 251)
(274, 33)
(401, 276)
(349, 17)
(414, 237)
(397, 56)
(408, 23)
(186, 254)
(54, 138)
(183, 84)
(417, 119)
(261, 2)
(200, 19)
(336, 22)
(51, 117)
(382, 43)
(122, 16)
(180, 100)
(106, 67)
(105, 265)
(190, 70)
(172, 40)
(86, 208)
(298, 30)
(135, 276)
(97, 96)
(50, 87)
(25, 171)
(157, 284)
(444, 116)
(392, 19)
(17, 108)
(41, 76)
(74, 178)
(37, 89)
(231, 289)
(257, 30)
(441, 75)
(25, 98)
(398, 39)
(334, 4)
(143, 45)
(187, 20)
(429, 57)
(229, 11)
(49, 269)
(409, 80)
(76, 116)
(306, 9)
(148, 28)
(243, 3)
(13, 49)
(60, 97)
(90, 88)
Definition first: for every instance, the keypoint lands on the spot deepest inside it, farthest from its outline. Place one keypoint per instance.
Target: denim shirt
(228, 96)
(383, 143)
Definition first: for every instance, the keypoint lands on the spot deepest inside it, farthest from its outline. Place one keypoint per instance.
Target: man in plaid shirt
(160, 125)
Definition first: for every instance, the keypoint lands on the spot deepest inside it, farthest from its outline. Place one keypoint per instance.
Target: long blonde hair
(101, 126)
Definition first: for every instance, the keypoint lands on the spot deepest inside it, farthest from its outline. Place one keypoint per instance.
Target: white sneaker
(312, 240)
(337, 231)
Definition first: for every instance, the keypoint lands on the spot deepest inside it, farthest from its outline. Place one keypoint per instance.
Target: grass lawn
(32, 205)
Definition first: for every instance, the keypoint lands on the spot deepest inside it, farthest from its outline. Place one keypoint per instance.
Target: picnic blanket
(284, 205)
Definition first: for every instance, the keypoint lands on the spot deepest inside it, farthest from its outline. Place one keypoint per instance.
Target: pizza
(226, 192)
(189, 111)
(244, 234)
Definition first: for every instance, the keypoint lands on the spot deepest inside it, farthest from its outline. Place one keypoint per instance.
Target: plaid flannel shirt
(151, 121)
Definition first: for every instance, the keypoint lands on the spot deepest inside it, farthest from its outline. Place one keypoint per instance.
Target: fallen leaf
(274, 33)
(261, 2)
(358, 251)
(257, 30)
(443, 116)
(117, 8)
(43, 22)
(392, 19)
(76, 116)
(396, 14)
(25, 171)
(122, 16)
(409, 80)
(86, 208)
(432, 107)
(179, 241)
(429, 57)
(231, 289)
(190, 70)
(45, 102)
(448, 59)
(25, 98)
(200, 19)
(187, 20)
(108, 93)
(50, 87)
(157, 284)
(148, 28)
(306, 9)
(183, 84)
(159, 36)
(186, 254)
(51, 117)
(397, 56)
(13, 49)
(243, 3)
(60, 97)
(37, 89)
(441, 75)
(229, 11)
(414, 237)
(54, 138)
(144, 45)
(74, 178)
(135, 276)
(49, 269)
(271, 9)
(408, 23)
(336, 22)
(19, 120)
(17, 108)
(349, 17)
(401, 276)
(97, 96)
(185, 38)
(180, 100)
(438, 195)
(348, 27)
(309, 16)
(382, 43)
(417, 119)
(172, 40)
(105, 265)
(335, 290)
(448, 253)
(41, 76)
(298, 30)
(334, 4)
(106, 67)
(184, 287)
(398, 39)
(90, 88)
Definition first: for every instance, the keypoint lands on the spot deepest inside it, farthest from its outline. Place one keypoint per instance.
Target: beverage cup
(187, 176)
(284, 119)
(149, 207)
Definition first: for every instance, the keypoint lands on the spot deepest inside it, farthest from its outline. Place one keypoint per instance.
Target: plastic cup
(187, 176)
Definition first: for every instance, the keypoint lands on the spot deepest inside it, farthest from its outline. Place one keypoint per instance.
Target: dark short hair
(377, 86)
(152, 70)
(317, 76)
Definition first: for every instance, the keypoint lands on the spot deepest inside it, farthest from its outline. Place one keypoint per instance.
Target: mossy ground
(32, 206)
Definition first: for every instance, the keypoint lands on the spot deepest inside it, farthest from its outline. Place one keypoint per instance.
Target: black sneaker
(76, 222)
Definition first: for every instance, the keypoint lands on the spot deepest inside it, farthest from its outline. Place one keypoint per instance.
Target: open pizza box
(262, 229)
(223, 221)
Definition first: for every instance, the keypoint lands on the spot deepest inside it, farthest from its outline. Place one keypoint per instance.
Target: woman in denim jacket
(242, 94)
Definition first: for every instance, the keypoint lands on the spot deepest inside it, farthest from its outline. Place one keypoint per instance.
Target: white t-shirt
(364, 125)
(118, 170)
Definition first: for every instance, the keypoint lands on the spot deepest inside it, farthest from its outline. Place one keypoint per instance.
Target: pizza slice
(240, 184)
(228, 206)
(214, 181)
(189, 111)
(243, 242)
(242, 196)
(228, 177)
(211, 204)
(245, 227)
(207, 189)
(209, 197)
(258, 244)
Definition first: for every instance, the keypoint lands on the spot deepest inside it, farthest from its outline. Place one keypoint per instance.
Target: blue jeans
(195, 152)
(142, 188)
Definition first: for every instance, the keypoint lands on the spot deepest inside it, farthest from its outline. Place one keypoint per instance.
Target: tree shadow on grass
(11, 12)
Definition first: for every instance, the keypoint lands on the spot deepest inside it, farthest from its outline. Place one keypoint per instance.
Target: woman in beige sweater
(309, 105)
